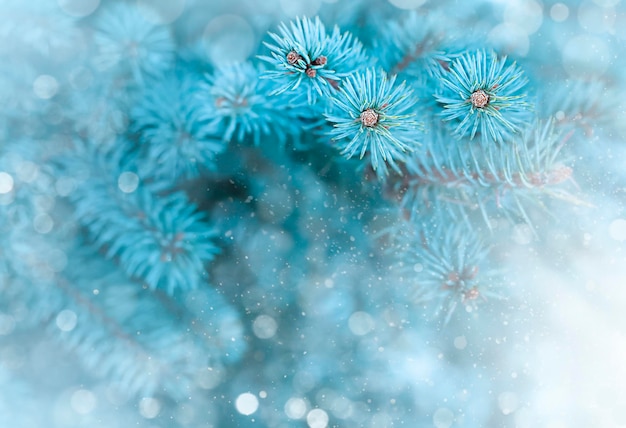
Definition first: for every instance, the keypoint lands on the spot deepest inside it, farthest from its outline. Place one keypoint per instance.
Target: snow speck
(247, 403)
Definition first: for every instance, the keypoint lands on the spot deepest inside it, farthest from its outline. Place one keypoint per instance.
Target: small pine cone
(471, 294)
(479, 98)
(311, 72)
(320, 60)
(369, 118)
(293, 57)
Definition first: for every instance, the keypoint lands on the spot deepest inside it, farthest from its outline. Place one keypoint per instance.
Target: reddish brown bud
(311, 72)
(293, 57)
(471, 294)
(320, 60)
(369, 118)
(479, 98)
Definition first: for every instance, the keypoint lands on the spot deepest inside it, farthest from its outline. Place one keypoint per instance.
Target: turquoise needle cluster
(304, 53)
(375, 116)
(236, 100)
(483, 95)
(172, 130)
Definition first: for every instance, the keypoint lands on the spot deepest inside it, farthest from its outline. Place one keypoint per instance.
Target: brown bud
(320, 60)
(293, 57)
(479, 98)
(311, 72)
(471, 294)
(369, 118)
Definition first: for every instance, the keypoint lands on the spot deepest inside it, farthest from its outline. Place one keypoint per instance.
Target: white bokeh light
(6, 183)
(527, 15)
(607, 3)
(78, 8)
(317, 418)
(443, 418)
(161, 11)
(45, 86)
(247, 403)
(264, 327)
(43, 223)
(66, 320)
(361, 323)
(617, 229)
(209, 378)
(510, 39)
(595, 19)
(460, 342)
(508, 402)
(83, 401)
(559, 12)
(128, 182)
(149, 407)
(295, 408)
(585, 56)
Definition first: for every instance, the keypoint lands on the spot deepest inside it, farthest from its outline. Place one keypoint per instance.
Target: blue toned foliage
(462, 176)
(305, 54)
(37, 27)
(581, 105)
(130, 44)
(414, 46)
(162, 239)
(236, 100)
(374, 116)
(482, 94)
(210, 218)
(169, 121)
(446, 265)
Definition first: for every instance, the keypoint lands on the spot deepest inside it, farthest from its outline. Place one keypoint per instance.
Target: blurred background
(303, 322)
